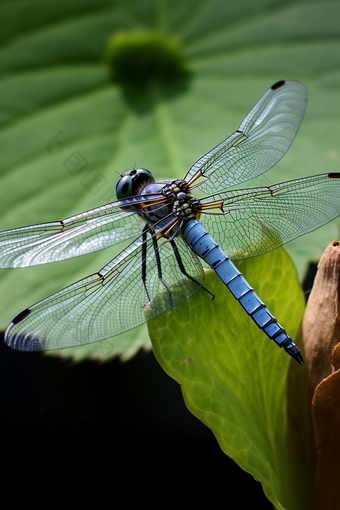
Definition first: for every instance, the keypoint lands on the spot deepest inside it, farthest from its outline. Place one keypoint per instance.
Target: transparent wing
(77, 235)
(109, 302)
(261, 140)
(258, 220)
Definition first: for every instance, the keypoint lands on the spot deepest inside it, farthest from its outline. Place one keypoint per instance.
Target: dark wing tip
(278, 84)
(334, 175)
(18, 341)
(22, 342)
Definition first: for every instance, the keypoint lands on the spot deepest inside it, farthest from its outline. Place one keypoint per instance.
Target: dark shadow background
(125, 421)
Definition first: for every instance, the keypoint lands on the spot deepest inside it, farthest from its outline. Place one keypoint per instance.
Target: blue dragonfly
(175, 235)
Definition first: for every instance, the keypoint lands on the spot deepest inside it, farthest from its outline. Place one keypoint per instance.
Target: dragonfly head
(132, 183)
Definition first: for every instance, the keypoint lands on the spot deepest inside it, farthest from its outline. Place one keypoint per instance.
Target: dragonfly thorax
(171, 200)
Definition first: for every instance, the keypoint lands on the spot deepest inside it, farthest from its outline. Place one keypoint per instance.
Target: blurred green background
(57, 98)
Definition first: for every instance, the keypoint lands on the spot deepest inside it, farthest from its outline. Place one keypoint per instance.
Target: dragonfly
(175, 235)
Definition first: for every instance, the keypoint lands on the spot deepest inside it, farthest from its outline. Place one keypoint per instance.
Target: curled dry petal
(321, 323)
(326, 419)
(321, 336)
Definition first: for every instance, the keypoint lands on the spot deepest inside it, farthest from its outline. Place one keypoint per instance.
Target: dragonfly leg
(182, 268)
(144, 249)
(147, 229)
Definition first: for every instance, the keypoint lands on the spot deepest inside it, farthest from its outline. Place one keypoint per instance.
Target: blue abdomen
(204, 245)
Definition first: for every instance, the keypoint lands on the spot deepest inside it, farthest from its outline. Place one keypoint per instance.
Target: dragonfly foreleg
(149, 230)
(182, 268)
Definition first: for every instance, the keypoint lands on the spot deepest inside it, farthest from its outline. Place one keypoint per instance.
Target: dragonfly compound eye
(132, 183)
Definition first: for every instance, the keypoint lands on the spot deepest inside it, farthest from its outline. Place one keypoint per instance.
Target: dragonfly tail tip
(294, 351)
(298, 357)
(296, 354)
